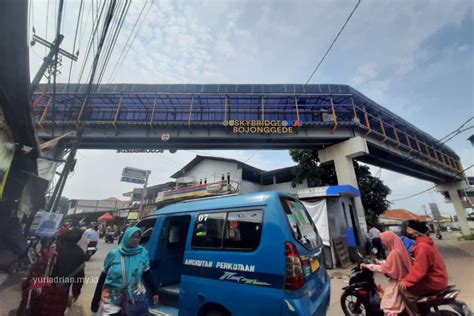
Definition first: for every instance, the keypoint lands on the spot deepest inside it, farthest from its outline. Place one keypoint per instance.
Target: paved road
(93, 269)
(459, 258)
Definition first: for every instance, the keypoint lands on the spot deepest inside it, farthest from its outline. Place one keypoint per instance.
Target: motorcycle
(109, 237)
(91, 249)
(362, 297)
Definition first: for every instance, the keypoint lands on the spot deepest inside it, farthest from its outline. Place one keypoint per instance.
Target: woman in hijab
(62, 262)
(395, 268)
(120, 290)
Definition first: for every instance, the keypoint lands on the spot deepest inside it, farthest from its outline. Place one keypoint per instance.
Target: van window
(301, 224)
(229, 230)
(243, 230)
(146, 228)
(209, 230)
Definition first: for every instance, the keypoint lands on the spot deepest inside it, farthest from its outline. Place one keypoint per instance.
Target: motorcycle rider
(428, 274)
(375, 241)
(396, 267)
(91, 236)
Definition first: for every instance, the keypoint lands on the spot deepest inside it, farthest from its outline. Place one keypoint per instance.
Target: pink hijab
(398, 262)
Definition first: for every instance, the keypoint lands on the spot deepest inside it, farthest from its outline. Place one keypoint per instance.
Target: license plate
(314, 265)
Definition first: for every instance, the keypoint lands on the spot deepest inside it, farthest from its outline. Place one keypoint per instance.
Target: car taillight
(294, 278)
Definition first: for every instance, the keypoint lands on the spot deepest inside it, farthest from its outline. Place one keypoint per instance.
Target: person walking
(59, 269)
(396, 267)
(120, 290)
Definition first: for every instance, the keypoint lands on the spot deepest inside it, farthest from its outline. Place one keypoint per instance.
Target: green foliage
(373, 191)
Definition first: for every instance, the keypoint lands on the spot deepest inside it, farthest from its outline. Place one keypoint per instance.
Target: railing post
(45, 113)
(367, 122)
(356, 118)
(190, 111)
(334, 116)
(396, 135)
(383, 130)
(153, 111)
(297, 109)
(117, 112)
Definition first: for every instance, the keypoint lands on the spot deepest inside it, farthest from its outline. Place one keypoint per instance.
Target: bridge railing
(331, 111)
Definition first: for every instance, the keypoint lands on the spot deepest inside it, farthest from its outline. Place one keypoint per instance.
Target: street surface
(459, 257)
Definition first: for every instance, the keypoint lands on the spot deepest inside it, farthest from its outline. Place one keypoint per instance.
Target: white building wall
(213, 169)
(250, 187)
(285, 187)
(86, 206)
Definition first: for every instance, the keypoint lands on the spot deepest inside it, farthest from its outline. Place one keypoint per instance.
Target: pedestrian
(396, 267)
(376, 242)
(90, 237)
(55, 273)
(428, 273)
(120, 290)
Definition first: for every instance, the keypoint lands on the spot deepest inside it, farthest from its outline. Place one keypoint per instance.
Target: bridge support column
(453, 191)
(342, 155)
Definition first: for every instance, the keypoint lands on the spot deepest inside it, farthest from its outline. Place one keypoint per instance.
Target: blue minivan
(253, 254)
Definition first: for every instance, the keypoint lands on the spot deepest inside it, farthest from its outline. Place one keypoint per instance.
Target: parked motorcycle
(361, 297)
(91, 249)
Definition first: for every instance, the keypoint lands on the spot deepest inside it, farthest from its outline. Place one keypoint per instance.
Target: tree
(373, 191)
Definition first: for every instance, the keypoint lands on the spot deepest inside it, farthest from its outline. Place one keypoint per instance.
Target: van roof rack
(210, 197)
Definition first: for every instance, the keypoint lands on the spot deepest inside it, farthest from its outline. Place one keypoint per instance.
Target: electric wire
(47, 20)
(430, 188)
(74, 45)
(332, 44)
(114, 39)
(130, 40)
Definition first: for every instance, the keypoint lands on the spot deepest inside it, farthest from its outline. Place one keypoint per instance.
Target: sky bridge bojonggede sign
(263, 126)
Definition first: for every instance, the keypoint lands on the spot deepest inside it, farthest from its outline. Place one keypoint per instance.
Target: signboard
(7, 150)
(435, 211)
(132, 180)
(312, 192)
(165, 136)
(45, 224)
(134, 173)
(200, 190)
(133, 215)
(263, 126)
(122, 213)
(137, 194)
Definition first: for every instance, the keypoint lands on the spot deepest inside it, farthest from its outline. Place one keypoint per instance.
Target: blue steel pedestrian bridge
(243, 116)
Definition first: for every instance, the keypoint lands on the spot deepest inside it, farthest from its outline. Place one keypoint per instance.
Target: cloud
(408, 56)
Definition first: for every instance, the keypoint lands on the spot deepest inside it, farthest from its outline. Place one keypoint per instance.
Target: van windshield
(301, 224)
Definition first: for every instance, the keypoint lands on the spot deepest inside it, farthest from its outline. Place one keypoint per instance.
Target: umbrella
(106, 217)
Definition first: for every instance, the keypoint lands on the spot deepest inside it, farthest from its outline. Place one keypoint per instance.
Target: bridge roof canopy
(135, 92)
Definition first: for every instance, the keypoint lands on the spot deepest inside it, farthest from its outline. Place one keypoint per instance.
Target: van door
(172, 244)
(309, 246)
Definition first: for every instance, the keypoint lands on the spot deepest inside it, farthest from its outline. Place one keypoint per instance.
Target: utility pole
(58, 190)
(47, 61)
(140, 213)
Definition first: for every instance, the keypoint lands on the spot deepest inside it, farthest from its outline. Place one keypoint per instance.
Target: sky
(415, 58)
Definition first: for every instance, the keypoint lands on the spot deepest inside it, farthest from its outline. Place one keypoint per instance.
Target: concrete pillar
(452, 189)
(342, 155)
